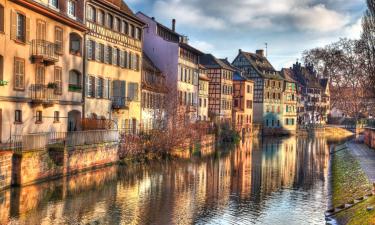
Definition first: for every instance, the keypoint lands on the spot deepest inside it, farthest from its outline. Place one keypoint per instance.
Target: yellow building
(41, 66)
(203, 94)
(243, 98)
(113, 68)
(289, 101)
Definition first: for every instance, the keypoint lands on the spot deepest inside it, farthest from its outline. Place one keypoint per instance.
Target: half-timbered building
(268, 89)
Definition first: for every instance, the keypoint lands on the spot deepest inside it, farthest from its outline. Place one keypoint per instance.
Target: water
(274, 181)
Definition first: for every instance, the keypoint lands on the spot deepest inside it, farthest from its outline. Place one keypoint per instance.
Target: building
(290, 102)
(268, 89)
(41, 66)
(113, 64)
(203, 94)
(314, 98)
(153, 96)
(220, 88)
(178, 61)
(242, 104)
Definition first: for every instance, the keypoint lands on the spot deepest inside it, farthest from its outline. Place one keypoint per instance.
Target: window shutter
(105, 89)
(2, 18)
(123, 89)
(96, 87)
(87, 80)
(110, 90)
(13, 26)
(27, 39)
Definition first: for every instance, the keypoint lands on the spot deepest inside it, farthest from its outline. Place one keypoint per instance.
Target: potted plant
(3, 82)
(52, 85)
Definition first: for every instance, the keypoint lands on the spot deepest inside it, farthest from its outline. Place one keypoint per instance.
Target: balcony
(44, 52)
(191, 108)
(41, 94)
(120, 103)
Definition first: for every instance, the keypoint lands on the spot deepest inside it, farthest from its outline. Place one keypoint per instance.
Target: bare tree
(342, 62)
(368, 38)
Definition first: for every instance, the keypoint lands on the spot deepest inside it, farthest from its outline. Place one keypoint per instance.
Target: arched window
(91, 13)
(75, 44)
(75, 81)
(1, 18)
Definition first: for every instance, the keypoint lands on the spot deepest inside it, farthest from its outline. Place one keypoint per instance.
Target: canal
(274, 181)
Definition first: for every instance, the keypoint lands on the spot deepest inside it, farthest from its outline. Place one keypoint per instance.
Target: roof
(211, 62)
(159, 24)
(262, 65)
(229, 64)
(148, 64)
(324, 82)
(288, 75)
(238, 77)
(124, 8)
(190, 48)
(305, 76)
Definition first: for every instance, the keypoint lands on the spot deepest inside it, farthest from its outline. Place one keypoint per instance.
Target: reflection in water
(270, 181)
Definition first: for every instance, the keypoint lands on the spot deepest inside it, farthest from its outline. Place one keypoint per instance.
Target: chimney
(174, 24)
(153, 18)
(260, 52)
(239, 50)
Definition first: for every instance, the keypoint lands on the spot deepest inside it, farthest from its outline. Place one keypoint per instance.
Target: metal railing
(43, 93)
(44, 50)
(120, 102)
(69, 139)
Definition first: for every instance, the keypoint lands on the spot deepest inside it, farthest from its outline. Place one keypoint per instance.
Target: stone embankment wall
(44, 164)
(370, 137)
(5, 169)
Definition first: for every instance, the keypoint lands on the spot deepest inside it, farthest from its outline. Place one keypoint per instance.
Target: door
(41, 30)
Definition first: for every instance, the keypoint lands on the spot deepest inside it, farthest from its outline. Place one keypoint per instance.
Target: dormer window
(72, 8)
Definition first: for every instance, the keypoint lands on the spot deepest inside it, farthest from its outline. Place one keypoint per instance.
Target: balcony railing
(191, 108)
(37, 141)
(44, 51)
(120, 102)
(43, 94)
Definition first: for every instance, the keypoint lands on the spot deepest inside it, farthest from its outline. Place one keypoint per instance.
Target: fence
(69, 139)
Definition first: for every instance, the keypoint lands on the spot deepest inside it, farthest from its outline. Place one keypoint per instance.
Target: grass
(358, 214)
(348, 179)
(348, 183)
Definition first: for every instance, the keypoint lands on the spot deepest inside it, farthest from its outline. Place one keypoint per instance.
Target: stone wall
(36, 166)
(5, 169)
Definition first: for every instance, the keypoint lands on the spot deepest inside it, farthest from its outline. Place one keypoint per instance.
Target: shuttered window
(19, 74)
(133, 91)
(2, 18)
(114, 56)
(100, 87)
(20, 27)
(40, 74)
(91, 48)
(58, 80)
(91, 87)
(41, 30)
(59, 40)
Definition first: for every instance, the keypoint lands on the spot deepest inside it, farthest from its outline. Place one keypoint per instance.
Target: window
(133, 91)
(114, 56)
(54, 3)
(137, 62)
(74, 81)
(91, 13)
(59, 40)
(75, 44)
(249, 104)
(117, 24)
(2, 18)
(91, 87)
(19, 74)
(125, 27)
(248, 89)
(100, 87)
(58, 80)
(18, 116)
(101, 52)
(91, 50)
(139, 33)
(132, 30)
(100, 19)
(108, 55)
(72, 8)
(39, 117)
(109, 21)
(20, 27)
(56, 117)
(40, 75)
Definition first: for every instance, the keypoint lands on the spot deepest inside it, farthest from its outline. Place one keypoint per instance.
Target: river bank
(351, 193)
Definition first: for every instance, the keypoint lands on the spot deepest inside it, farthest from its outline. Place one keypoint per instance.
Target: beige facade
(40, 55)
(243, 98)
(203, 94)
(290, 107)
(113, 68)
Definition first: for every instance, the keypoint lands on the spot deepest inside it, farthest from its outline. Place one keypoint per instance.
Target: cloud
(305, 15)
(202, 46)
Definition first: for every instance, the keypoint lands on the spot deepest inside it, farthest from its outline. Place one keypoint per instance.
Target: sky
(222, 27)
